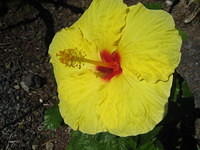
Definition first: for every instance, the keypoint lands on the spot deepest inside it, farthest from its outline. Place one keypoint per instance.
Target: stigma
(107, 68)
(114, 67)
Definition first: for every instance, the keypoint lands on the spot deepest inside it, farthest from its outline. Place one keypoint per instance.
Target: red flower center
(113, 68)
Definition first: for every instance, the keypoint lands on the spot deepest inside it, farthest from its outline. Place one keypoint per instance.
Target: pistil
(72, 59)
(108, 67)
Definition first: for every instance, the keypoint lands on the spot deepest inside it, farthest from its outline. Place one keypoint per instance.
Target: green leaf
(150, 136)
(159, 145)
(52, 118)
(185, 90)
(80, 141)
(148, 146)
(151, 145)
(100, 141)
(154, 5)
(176, 88)
(183, 35)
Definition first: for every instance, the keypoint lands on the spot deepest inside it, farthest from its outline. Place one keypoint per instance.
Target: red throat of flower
(107, 68)
(113, 68)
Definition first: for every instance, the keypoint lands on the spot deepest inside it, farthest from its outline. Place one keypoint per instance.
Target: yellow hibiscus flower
(114, 67)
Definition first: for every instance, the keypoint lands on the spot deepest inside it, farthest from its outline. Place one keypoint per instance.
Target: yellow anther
(74, 58)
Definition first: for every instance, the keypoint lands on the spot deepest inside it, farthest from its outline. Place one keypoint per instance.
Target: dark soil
(27, 85)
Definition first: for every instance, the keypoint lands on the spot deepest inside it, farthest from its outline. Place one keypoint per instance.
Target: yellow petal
(79, 99)
(71, 38)
(103, 22)
(123, 106)
(133, 107)
(150, 44)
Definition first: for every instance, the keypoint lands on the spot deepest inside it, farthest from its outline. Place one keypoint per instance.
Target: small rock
(32, 81)
(28, 80)
(34, 147)
(41, 100)
(49, 146)
(24, 86)
(38, 81)
(17, 87)
(7, 65)
(169, 3)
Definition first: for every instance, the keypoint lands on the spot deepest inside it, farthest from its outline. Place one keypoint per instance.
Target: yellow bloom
(114, 68)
